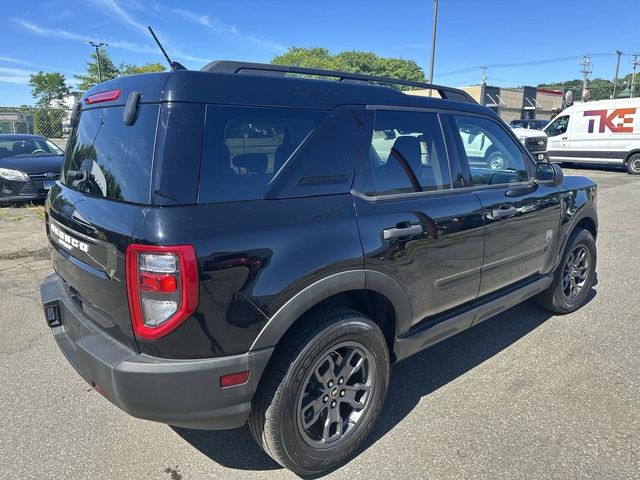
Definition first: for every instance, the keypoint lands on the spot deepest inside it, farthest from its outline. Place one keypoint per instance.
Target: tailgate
(89, 237)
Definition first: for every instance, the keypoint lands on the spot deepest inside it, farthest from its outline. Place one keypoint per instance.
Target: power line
(523, 64)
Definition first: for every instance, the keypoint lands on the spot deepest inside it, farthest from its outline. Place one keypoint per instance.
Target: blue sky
(49, 35)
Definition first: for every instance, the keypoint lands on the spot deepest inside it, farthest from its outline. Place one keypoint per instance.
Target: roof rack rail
(228, 66)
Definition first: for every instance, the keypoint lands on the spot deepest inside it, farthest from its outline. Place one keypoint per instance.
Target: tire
(281, 404)
(565, 295)
(495, 160)
(633, 164)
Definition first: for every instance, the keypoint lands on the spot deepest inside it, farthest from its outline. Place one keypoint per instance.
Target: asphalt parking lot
(523, 395)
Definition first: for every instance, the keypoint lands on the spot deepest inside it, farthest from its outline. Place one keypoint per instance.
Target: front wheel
(322, 392)
(633, 164)
(496, 161)
(574, 277)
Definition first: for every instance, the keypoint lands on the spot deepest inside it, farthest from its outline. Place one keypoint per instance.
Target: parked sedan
(29, 166)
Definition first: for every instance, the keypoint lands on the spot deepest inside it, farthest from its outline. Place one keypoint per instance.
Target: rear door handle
(503, 212)
(564, 138)
(389, 233)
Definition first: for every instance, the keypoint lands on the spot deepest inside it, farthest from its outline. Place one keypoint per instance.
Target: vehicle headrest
(409, 148)
(23, 146)
(253, 162)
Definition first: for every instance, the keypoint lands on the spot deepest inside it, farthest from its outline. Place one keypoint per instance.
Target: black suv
(246, 243)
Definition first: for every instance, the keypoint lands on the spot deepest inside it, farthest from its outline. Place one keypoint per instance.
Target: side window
(244, 148)
(492, 156)
(558, 126)
(406, 154)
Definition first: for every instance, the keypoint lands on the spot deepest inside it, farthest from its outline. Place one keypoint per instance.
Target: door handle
(564, 138)
(503, 212)
(389, 233)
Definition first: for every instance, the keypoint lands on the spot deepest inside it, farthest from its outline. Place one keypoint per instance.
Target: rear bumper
(183, 393)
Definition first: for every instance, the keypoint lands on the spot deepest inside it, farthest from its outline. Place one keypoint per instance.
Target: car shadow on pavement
(411, 380)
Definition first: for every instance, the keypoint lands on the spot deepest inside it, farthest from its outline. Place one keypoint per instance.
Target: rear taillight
(106, 96)
(162, 284)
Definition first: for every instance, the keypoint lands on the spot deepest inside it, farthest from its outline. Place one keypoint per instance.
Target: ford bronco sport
(234, 245)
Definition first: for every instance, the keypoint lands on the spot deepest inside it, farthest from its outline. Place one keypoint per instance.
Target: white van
(605, 131)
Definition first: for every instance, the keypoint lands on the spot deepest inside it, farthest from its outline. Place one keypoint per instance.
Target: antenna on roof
(172, 64)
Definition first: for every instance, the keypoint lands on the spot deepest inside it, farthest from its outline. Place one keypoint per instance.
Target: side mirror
(548, 173)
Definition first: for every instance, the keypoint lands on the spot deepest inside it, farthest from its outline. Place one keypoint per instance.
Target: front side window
(493, 156)
(558, 126)
(246, 147)
(406, 154)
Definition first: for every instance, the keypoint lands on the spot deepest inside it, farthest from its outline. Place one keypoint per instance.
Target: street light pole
(615, 80)
(433, 39)
(98, 46)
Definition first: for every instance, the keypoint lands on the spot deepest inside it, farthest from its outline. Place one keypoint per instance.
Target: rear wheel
(633, 164)
(322, 392)
(574, 276)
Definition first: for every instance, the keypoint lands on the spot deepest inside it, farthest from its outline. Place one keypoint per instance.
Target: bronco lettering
(68, 241)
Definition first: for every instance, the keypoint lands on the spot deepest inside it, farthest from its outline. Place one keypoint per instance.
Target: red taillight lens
(153, 282)
(106, 96)
(162, 284)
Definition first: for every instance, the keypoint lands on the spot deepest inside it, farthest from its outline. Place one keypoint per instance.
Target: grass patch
(38, 209)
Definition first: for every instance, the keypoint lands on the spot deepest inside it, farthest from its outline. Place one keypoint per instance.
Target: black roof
(236, 83)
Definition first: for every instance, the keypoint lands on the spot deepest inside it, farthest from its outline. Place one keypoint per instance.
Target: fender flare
(585, 212)
(326, 287)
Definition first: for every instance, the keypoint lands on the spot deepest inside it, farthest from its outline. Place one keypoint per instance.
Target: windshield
(27, 147)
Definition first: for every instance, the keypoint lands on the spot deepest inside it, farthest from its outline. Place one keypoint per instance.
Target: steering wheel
(38, 150)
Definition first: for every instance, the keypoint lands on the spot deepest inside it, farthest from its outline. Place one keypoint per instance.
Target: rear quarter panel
(253, 256)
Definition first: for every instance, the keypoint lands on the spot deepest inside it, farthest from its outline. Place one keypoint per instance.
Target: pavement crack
(41, 252)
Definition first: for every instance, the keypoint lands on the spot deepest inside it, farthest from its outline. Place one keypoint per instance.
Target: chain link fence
(51, 123)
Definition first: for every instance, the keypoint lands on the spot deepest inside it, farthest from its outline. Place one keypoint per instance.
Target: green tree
(352, 61)
(130, 69)
(599, 88)
(108, 71)
(47, 87)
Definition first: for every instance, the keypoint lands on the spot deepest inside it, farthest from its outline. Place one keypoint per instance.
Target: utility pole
(484, 74)
(634, 64)
(433, 39)
(615, 80)
(97, 46)
(586, 64)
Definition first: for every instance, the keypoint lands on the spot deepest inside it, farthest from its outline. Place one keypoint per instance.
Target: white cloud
(121, 44)
(114, 9)
(220, 27)
(39, 66)
(17, 76)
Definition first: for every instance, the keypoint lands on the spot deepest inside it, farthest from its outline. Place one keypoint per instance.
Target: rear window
(244, 149)
(107, 158)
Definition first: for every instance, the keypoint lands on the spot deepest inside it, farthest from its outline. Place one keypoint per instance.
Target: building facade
(514, 103)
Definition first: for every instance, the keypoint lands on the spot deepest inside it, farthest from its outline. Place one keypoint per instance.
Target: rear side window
(107, 158)
(406, 155)
(244, 149)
